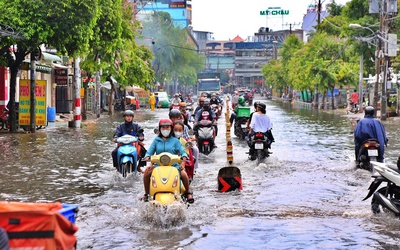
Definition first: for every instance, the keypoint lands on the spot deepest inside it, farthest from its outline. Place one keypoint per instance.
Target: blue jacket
(369, 128)
(127, 129)
(171, 145)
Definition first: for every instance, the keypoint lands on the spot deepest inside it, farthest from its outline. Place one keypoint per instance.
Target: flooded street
(307, 195)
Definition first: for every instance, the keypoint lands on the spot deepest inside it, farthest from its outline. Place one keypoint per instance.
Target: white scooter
(387, 197)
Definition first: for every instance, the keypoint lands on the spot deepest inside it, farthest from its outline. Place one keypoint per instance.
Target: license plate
(243, 125)
(373, 152)
(259, 146)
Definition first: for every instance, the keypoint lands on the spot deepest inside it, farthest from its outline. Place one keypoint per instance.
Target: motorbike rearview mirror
(156, 131)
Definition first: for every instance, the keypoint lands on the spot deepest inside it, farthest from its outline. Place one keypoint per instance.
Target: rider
(185, 114)
(165, 142)
(241, 103)
(176, 116)
(129, 128)
(370, 128)
(260, 122)
(205, 113)
(175, 102)
(354, 98)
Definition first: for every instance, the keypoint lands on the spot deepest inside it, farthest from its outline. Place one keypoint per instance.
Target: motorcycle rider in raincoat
(370, 128)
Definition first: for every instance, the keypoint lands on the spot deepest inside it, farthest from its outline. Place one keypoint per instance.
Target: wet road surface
(306, 195)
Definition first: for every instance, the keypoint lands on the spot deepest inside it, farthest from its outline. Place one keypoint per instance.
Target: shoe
(189, 197)
(145, 198)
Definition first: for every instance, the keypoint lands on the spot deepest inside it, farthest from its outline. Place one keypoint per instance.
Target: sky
(228, 18)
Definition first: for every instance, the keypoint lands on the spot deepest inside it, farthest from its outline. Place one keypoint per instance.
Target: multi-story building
(179, 10)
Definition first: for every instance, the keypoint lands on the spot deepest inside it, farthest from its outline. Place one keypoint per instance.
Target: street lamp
(358, 26)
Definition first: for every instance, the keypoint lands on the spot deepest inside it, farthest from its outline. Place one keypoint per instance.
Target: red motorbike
(4, 122)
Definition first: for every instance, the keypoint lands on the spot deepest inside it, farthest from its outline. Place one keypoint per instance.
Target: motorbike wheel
(394, 194)
(206, 149)
(125, 169)
(260, 156)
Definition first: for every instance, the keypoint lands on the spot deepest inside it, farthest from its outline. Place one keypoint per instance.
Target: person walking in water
(152, 102)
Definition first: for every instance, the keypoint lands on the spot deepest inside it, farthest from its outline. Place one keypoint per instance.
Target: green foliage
(174, 56)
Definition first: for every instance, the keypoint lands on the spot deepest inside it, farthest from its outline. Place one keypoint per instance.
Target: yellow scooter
(166, 186)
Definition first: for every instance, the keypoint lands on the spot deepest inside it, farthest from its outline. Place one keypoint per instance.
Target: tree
(114, 51)
(174, 58)
(63, 24)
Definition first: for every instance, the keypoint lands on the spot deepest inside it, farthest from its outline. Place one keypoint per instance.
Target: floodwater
(306, 195)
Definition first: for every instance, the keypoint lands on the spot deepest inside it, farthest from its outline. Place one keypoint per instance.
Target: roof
(238, 39)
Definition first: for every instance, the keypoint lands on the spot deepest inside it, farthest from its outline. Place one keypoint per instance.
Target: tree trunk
(333, 98)
(84, 101)
(111, 99)
(13, 85)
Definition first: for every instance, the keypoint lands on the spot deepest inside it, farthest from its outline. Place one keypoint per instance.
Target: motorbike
(127, 153)
(368, 152)
(5, 122)
(386, 198)
(166, 186)
(354, 108)
(205, 139)
(259, 145)
(189, 166)
(240, 128)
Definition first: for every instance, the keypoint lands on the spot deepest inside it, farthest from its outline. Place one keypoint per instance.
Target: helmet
(182, 104)
(369, 111)
(242, 101)
(165, 122)
(206, 101)
(256, 104)
(262, 107)
(213, 95)
(129, 112)
(174, 113)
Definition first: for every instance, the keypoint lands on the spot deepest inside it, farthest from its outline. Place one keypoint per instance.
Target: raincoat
(369, 128)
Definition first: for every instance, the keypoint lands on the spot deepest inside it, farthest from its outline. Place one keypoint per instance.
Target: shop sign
(24, 116)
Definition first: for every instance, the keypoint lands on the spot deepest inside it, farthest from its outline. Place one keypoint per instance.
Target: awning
(39, 67)
(50, 58)
(59, 66)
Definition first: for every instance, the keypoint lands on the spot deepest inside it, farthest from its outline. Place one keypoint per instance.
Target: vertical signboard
(25, 104)
(61, 77)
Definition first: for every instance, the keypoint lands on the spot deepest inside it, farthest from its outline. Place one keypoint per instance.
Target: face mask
(165, 133)
(178, 134)
(206, 107)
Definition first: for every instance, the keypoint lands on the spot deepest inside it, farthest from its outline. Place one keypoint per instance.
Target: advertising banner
(25, 102)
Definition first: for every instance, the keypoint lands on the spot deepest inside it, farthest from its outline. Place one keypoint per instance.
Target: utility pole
(385, 33)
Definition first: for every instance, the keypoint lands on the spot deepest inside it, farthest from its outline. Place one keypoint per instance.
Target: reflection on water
(306, 195)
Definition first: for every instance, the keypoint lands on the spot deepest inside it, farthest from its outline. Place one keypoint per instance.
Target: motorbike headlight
(164, 160)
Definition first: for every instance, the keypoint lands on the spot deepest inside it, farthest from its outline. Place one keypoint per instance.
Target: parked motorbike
(240, 128)
(368, 152)
(5, 122)
(205, 139)
(386, 198)
(259, 145)
(127, 153)
(166, 186)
